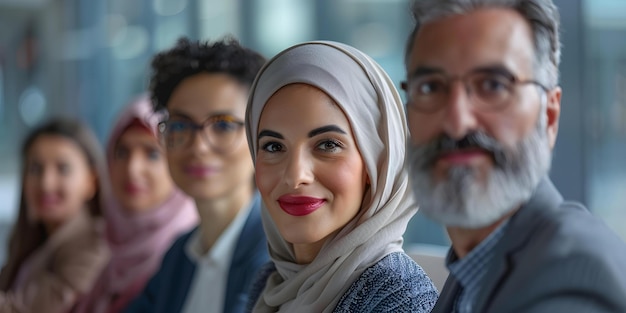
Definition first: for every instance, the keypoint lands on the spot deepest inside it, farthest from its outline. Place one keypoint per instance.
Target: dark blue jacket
(168, 288)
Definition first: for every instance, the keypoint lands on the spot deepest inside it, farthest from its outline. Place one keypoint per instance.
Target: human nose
(459, 115)
(48, 179)
(299, 170)
(198, 141)
(134, 165)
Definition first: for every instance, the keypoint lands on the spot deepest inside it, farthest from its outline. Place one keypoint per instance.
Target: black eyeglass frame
(195, 128)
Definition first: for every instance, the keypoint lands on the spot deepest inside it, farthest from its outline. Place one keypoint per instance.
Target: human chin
(462, 200)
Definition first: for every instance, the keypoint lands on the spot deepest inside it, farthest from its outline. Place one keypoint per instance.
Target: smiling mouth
(300, 205)
(132, 189)
(200, 171)
(49, 201)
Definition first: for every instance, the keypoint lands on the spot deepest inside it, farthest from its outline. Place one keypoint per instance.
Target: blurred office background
(87, 58)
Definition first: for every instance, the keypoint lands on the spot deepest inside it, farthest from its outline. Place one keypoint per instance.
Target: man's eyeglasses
(221, 132)
(489, 89)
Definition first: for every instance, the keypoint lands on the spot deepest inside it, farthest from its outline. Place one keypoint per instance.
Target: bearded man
(483, 105)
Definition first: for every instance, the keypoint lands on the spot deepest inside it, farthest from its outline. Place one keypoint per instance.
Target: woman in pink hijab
(145, 215)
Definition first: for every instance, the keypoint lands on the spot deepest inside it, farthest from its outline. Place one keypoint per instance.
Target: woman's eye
(272, 147)
(120, 153)
(34, 169)
(225, 126)
(178, 126)
(64, 168)
(329, 145)
(154, 154)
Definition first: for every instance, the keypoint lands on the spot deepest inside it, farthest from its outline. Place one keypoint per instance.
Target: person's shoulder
(176, 252)
(181, 241)
(263, 273)
(87, 237)
(398, 268)
(570, 251)
(80, 256)
(573, 230)
(396, 282)
(398, 265)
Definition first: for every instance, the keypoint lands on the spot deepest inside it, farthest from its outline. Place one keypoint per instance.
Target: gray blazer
(554, 257)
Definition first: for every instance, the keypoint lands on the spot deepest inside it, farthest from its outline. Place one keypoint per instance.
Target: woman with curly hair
(203, 88)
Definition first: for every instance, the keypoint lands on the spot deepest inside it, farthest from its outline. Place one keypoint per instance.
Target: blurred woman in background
(146, 213)
(57, 248)
(203, 87)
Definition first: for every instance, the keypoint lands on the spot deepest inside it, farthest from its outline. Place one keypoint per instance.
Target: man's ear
(553, 112)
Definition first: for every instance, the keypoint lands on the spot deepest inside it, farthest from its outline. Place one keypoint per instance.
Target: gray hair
(542, 15)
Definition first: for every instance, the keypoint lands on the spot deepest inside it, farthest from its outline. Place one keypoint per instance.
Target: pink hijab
(138, 242)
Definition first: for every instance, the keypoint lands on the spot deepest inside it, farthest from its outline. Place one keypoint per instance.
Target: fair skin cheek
(306, 149)
(58, 181)
(138, 170)
(459, 44)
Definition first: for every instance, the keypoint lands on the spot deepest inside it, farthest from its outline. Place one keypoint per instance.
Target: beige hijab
(376, 114)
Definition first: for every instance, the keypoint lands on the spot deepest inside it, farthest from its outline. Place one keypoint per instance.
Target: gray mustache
(426, 155)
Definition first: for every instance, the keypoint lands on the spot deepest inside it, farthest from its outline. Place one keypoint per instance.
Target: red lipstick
(132, 189)
(300, 205)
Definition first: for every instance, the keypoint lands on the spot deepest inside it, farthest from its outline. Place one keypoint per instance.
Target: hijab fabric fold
(372, 105)
(137, 241)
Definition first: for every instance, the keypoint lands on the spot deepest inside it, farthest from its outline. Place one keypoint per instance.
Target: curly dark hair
(188, 58)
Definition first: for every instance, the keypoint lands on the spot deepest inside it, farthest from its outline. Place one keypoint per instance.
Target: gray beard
(461, 200)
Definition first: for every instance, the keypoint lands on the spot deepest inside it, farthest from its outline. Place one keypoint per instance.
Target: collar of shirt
(470, 270)
(221, 252)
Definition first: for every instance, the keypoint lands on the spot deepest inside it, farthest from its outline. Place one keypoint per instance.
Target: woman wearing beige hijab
(327, 133)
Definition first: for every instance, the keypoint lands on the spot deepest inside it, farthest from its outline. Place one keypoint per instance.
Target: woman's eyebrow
(269, 133)
(326, 129)
(179, 114)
